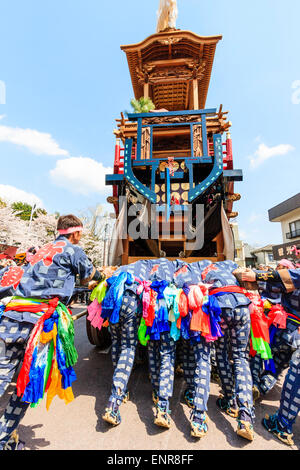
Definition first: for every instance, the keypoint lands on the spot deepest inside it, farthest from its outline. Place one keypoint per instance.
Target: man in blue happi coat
(51, 273)
(161, 345)
(196, 354)
(236, 379)
(124, 317)
(286, 353)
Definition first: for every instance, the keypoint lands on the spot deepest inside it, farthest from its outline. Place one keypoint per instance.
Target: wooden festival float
(177, 156)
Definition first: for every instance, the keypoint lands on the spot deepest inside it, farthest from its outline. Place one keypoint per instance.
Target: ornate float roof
(169, 61)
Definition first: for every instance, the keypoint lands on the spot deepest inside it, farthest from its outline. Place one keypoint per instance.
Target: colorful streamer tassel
(142, 333)
(214, 311)
(277, 316)
(200, 321)
(171, 294)
(95, 307)
(2, 308)
(161, 320)
(50, 353)
(150, 315)
(112, 301)
(99, 292)
(145, 291)
(94, 314)
(260, 336)
(188, 312)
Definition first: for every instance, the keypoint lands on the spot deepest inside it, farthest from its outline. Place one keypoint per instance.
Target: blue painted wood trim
(153, 173)
(189, 165)
(135, 116)
(217, 170)
(131, 178)
(173, 124)
(112, 179)
(177, 175)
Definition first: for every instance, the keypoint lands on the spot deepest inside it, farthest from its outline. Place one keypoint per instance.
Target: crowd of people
(244, 322)
(188, 292)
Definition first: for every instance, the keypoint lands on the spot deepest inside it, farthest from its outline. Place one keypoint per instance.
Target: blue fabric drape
(112, 301)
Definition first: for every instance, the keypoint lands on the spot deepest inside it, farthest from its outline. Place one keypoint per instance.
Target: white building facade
(288, 214)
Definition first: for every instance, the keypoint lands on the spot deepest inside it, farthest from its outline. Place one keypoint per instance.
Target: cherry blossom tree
(40, 230)
(22, 233)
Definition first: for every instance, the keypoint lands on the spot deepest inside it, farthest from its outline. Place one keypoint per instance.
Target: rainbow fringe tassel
(50, 353)
(188, 312)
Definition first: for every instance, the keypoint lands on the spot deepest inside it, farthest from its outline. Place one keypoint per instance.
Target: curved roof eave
(178, 32)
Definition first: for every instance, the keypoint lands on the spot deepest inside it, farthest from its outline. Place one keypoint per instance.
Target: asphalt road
(78, 425)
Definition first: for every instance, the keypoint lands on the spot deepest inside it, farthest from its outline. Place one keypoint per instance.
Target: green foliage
(143, 105)
(23, 211)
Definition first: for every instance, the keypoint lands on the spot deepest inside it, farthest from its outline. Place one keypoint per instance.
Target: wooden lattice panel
(172, 95)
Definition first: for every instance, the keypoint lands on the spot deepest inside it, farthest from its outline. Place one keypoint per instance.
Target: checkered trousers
(124, 342)
(257, 368)
(290, 395)
(188, 366)
(13, 340)
(197, 367)
(161, 354)
(236, 381)
(284, 344)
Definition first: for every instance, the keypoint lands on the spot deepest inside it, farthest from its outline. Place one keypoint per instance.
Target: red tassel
(277, 316)
(200, 322)
(259, 321)
(183, 304)
(260, 327)
(151, 309)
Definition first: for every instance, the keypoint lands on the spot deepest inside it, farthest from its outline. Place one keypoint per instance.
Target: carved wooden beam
(234, 197)
(232, 215)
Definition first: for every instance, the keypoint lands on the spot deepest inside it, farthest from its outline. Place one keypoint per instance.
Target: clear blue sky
(66, 81)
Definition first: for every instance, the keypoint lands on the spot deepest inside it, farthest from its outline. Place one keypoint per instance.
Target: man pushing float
(37, 328)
